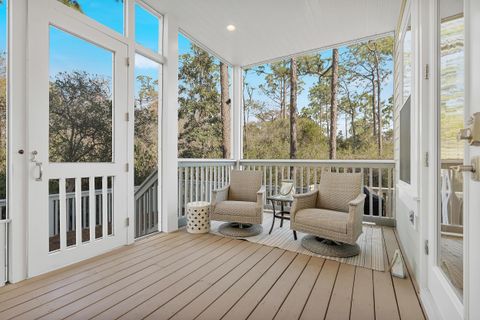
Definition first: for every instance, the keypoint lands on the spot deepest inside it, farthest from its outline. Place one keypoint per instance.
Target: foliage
(363, 71)
(146, 129)
(200, 126)
(3, 126)
(80, 118)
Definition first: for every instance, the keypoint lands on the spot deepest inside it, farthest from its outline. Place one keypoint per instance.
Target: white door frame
(437, 291)
(472, 203)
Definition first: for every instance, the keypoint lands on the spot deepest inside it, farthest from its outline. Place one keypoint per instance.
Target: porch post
(169, 158)
(237, 108)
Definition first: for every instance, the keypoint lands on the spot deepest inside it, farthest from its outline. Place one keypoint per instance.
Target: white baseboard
(429, 305)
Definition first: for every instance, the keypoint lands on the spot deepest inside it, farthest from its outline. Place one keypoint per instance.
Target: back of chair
(244, 185)
(336, 190)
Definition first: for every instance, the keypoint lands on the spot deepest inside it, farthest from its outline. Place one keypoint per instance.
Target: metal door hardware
(38, 165)
(474, 168)
(472, 132)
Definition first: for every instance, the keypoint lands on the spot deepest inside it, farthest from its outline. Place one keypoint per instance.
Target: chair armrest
(220, 195)
(261, 195)
(303, 201)
(355, 210)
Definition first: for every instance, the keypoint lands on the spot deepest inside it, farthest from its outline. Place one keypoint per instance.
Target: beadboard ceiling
(269, 29)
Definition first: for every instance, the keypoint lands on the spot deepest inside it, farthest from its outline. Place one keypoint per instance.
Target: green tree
(146, 129)
(200, 123)
(80, 118)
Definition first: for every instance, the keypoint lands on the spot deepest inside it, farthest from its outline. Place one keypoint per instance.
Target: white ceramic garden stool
(198, 217)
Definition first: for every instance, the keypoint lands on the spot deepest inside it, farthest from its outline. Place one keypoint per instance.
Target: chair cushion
(237, 208)
(323, 219)
(244, 185)
(336, 190)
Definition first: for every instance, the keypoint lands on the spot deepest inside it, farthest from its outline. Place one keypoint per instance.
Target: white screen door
(77, 138)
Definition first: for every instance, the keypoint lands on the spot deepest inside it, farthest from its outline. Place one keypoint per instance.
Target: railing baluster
(370, 184)
(270, 180)
(380, 193)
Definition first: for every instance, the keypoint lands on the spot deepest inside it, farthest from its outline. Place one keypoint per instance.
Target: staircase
(146, 206)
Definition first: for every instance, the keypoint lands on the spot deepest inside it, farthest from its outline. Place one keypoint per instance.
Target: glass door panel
(451, 151)
(81, 101)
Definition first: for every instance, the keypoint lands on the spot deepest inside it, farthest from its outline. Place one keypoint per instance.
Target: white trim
(472, 202)
(167, 171)
(17, 164)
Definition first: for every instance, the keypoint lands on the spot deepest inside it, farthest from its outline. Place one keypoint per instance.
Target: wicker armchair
(240, 203)
(333, 212)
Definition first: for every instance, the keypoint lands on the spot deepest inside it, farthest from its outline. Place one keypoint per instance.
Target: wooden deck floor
(182, 276)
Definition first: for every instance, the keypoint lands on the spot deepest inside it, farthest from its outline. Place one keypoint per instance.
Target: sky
(3, 26)
(68, 53)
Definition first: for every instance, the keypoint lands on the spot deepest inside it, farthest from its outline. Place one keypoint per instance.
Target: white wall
(408, 195)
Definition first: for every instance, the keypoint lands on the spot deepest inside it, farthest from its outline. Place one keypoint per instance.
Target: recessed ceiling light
(231, 27)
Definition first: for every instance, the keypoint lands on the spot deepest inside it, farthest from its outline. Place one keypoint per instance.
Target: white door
(448, 220)
(454, 236)
(472, 200)
(77, 139)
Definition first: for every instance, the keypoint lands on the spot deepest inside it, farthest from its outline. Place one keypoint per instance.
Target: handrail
(146, 184)
(203, 162)
(340, 163)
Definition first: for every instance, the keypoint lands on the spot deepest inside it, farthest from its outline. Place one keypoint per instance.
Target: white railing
(4, 224)
(54, 210)
(198, 177)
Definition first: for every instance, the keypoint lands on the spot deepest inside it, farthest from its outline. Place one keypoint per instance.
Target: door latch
(38, 165)
(472, 132)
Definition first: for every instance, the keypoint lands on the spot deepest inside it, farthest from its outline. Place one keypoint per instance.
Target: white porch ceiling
(269, 29)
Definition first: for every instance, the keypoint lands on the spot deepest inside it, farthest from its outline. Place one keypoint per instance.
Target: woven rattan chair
(334, 213)
(240, 204)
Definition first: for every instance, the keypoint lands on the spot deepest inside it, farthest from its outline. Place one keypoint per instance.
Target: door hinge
(127, 116)
(427, 71)
(127, 62)
(427, 160)
(426, 247)
(127, 167)
(127, 222)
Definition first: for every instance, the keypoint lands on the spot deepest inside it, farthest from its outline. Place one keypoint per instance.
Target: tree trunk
(379, 106)
(333, 106)
(293, 108)
(354, 133)
(374, 106)
(225, 111)
(283, 106)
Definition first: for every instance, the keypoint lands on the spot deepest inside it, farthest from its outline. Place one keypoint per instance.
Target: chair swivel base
(329, 248)
(240, 230)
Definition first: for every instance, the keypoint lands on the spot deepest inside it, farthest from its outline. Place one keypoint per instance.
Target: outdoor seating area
(225, 159)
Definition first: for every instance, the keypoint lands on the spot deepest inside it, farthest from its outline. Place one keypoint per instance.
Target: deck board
(183, 276)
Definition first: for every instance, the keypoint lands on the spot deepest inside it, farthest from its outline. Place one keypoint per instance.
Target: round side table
(198, 217)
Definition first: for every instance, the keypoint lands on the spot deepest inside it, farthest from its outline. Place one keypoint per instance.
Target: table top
(279, 197)
(198, 204)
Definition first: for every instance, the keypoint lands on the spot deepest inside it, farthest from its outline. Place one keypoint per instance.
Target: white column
(237, 108)
(167, 172)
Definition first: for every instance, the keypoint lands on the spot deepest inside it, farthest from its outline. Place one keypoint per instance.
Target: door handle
(464, 168)
(38, 165)
(474, 168)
